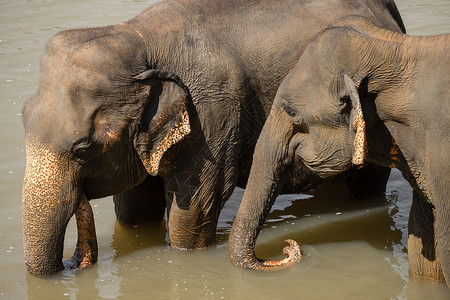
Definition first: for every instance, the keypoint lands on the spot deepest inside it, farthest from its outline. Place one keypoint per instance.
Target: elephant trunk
(265, 181)
(50, 198)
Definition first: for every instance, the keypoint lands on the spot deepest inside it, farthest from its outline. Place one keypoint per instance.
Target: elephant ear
(357, 123)
(165, 119)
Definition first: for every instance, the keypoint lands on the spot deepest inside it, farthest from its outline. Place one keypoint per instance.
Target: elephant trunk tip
(44, 270)
(292, 252)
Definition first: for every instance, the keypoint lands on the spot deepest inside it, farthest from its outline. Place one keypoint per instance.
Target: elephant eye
(81, 148)
(345, 105)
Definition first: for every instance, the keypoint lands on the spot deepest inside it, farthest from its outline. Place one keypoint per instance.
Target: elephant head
(358, 93)
(99, 123)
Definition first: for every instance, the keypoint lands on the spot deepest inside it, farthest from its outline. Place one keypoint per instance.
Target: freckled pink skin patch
(360, 142)
(178, 132)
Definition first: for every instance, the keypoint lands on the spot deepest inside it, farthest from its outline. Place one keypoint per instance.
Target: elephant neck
(409, 77)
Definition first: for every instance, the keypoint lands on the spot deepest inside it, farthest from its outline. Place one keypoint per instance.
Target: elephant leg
(443, 235)
(422, 243)
(87, 249)
(194, 212)
(370, 180)
(195, 201)
(142, 203)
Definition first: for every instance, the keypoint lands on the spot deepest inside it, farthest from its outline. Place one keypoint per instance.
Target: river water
(353, 249)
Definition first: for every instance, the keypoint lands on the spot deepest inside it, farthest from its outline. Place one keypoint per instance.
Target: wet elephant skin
(170, 102)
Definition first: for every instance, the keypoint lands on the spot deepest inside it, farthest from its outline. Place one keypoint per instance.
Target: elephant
(162, 112)
(359, 93)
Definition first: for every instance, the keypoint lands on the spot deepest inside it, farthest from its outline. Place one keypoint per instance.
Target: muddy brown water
(353, 249)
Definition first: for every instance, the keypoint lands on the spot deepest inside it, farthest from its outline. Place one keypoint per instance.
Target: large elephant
(360, 93)
(161, 111)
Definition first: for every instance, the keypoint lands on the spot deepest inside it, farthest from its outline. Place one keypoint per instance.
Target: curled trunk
(266, 179)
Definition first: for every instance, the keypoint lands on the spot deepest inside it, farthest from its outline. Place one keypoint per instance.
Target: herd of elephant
(171, 110)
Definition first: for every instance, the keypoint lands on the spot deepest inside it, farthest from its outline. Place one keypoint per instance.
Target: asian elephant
(162, 112)
(360, 94)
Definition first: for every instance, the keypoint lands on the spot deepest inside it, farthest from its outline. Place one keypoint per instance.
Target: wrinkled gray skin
(179, 92)
(400, 84)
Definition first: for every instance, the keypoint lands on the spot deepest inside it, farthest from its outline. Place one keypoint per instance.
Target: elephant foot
(421, 266)
(86, 252)
(422, 243)
(292, 252)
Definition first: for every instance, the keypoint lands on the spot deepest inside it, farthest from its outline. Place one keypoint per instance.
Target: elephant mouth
(97, 188)
(318, 158)
(95, 194)
(323, 167)
(325, 170)
(322, 163)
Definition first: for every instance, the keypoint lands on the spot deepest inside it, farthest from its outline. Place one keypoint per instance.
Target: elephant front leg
(194, 205)
(422, 244)
(86, 252)
(192, 220)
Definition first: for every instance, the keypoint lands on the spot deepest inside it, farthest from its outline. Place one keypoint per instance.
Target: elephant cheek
(48, 202)
(306, 153)
(325, 157)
